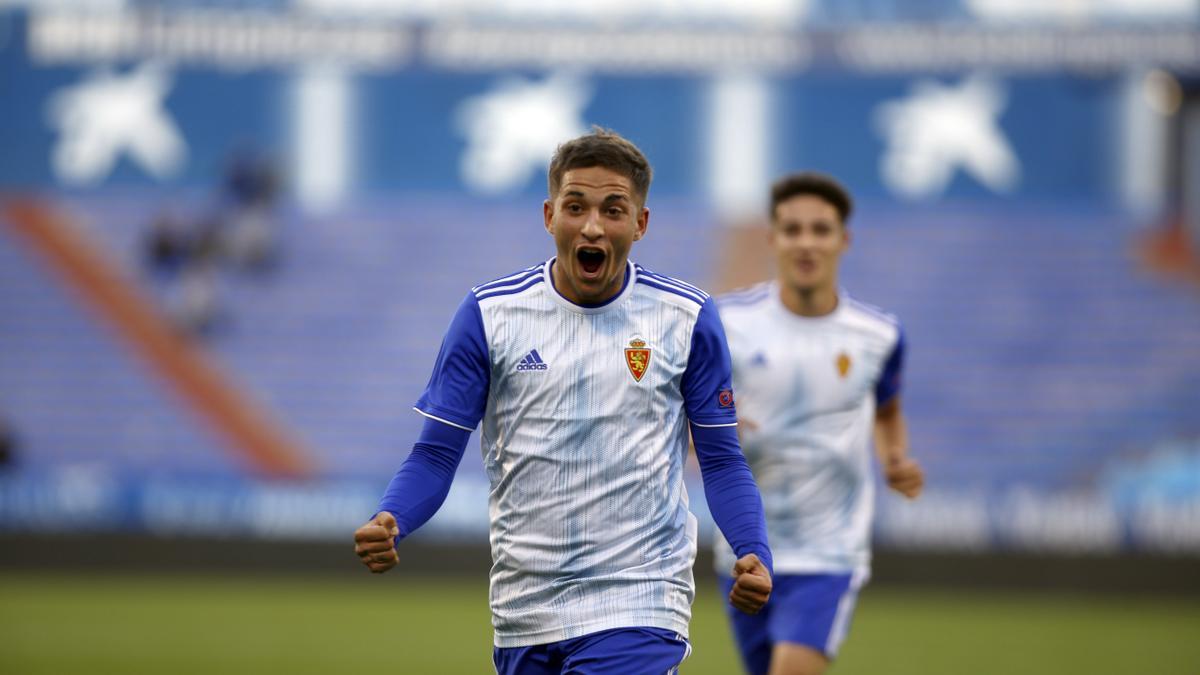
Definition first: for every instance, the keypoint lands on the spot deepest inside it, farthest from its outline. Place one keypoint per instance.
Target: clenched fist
(905, 476)
(375, 542)
(751, 584)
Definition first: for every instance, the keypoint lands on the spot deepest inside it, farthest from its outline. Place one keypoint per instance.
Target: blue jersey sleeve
(707, 381)
(893, 370)
(423, 481)
(731, 492)
(458, 388)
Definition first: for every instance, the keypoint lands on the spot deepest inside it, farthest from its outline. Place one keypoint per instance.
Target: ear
(845, 237)
(643, 221)
(548, 216)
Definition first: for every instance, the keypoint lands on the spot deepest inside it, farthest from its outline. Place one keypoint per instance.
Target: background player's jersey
(811, 385)
(584, 435)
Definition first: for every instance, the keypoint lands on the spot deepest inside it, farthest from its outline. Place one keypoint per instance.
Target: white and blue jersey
(584, 414)
(811, 386)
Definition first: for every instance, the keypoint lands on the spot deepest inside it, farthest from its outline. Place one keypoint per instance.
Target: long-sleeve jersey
(810, 386)
(585, 414)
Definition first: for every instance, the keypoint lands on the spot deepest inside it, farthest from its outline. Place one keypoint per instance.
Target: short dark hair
(819, 185)
(605, 148)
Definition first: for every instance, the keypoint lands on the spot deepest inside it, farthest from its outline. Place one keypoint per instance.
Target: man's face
(594, 219)
(809, 238)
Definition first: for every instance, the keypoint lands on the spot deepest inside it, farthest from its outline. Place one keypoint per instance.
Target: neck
(809, 301)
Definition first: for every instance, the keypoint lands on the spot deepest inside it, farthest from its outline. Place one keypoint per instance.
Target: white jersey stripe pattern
(584, 441)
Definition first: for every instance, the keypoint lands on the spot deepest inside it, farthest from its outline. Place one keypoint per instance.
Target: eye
(616, 211)
(574, 208)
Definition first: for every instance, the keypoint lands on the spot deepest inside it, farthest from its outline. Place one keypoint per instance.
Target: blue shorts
(813, 610)
(619, 651)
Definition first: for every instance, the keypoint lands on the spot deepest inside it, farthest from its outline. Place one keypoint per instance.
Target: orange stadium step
(248, 430)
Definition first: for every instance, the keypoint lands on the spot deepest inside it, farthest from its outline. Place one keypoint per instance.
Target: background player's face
(809, 238)
(594, 219)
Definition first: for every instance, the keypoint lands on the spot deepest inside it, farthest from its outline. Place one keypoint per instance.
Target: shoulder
(869, 318)
(510, 285)
(670, 290)
(746, 298)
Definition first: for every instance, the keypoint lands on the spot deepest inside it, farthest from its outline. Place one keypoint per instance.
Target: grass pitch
(401, 624)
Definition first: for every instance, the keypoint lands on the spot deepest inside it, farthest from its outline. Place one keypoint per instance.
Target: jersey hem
(503, 641)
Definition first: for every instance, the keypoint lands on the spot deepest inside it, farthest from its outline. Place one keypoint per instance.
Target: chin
(802, 283)
(806, 287)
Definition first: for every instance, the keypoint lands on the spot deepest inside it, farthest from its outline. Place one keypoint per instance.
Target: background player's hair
(605, 148)
(816, 184)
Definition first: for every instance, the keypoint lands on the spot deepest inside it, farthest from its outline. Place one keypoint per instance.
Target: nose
(803, 240)
(592, 229)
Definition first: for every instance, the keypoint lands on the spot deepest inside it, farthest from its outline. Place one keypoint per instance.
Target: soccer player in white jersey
(817, 374)
(587, 372)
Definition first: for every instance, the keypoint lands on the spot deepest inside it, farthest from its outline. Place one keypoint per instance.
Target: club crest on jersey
(637, 357)
(843, 365)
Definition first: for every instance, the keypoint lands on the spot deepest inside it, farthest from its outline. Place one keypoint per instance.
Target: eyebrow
(787, 224)
(614, 197)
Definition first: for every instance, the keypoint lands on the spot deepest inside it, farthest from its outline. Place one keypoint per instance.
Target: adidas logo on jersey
(532, 361)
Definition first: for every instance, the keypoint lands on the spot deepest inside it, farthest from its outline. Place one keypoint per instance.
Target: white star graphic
(513, 130)
(109, 114)
(938, 129)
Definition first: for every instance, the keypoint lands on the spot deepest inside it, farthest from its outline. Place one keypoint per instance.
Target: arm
(414, 494)
(903, 474)
(418, 489)
(729, 486)
(453, 403)
(736, 507)
(731, 492)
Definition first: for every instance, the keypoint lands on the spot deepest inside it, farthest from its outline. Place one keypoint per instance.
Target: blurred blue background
(284, 203)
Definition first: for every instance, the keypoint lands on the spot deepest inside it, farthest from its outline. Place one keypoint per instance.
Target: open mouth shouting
(591, 262)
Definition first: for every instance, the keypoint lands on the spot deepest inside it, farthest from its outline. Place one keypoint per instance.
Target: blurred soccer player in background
(817, 373)
(587, 371)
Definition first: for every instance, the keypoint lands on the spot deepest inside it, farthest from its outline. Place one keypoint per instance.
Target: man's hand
(751, 584)
(375, 543)
(905, 476)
